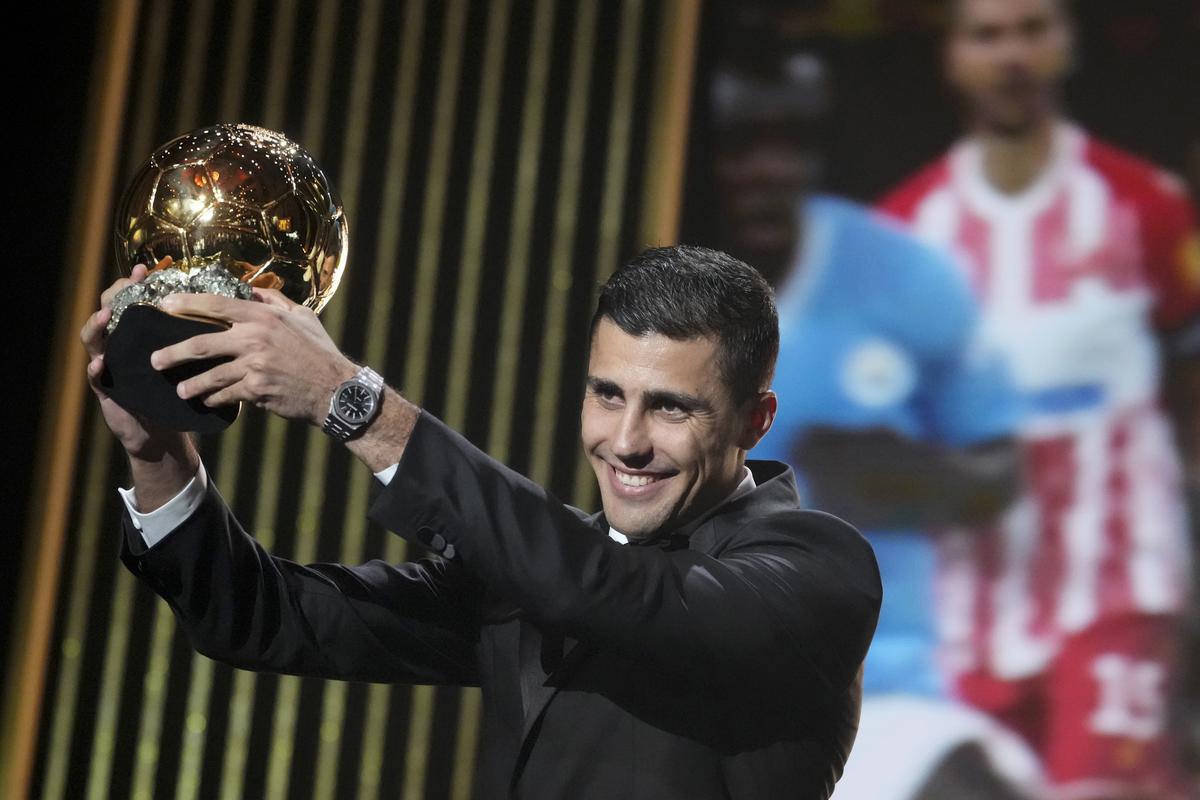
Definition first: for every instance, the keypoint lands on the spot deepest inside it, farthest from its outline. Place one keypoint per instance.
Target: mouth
(636, 485)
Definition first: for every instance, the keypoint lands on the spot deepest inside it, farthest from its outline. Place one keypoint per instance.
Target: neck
(1013, 161)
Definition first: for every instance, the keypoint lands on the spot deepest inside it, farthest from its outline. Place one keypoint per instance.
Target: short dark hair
(687, 292)
(953, 12)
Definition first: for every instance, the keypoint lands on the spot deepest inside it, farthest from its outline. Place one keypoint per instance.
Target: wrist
(160, 475)
(343, 370)
(383, 442)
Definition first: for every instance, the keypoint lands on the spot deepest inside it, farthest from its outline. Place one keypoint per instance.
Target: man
(716, 654)
(1086, 263)
(891, 413)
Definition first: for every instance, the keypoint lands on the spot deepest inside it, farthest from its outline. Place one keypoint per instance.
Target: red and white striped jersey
(1078, 275)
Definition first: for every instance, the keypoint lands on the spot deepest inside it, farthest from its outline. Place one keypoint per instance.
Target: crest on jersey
(877, 373)
(1189, 260)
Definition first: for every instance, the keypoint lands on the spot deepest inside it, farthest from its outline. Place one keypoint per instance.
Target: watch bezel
(342, 427)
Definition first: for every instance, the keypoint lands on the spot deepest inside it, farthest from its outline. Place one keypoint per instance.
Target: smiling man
(710, 645)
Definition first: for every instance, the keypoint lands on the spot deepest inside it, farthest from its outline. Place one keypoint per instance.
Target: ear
(757, 419)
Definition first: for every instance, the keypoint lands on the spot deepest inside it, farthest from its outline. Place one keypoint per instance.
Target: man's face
(1008, 57)
(660, 429)
(761, 177)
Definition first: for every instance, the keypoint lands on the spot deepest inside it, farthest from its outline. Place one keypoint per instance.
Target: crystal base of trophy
(138, 387)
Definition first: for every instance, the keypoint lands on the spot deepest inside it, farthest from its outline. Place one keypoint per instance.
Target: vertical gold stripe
(229, 466)
(237, 62)
(421, 326)
(154, 689)
(620, 128)
(378, 706)
(517, 264)
(121, 618)
(466, 747)
(482, 159)
(92, 517)
(415, 762)
(554, 323)
(283, 724)
(195, 724)
(434, 208)
(195, 51)
(59, 429)
(668, 136)
(104, 737)
(271, 465)
(391, 215)
(466, 310)
(354, 522)
(92, 512)
(241, 699)
(282, 40)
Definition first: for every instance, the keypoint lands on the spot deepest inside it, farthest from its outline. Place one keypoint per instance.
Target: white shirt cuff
(386, 474)
(156, 524)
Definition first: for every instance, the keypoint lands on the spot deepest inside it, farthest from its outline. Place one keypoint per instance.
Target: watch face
(355, 403)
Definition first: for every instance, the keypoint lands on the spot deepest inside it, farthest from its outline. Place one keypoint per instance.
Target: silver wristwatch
(354, 404)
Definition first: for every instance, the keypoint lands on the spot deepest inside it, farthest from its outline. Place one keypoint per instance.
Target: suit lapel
(547, 658)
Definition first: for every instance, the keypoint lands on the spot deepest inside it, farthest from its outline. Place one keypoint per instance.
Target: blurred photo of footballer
(1062, 621)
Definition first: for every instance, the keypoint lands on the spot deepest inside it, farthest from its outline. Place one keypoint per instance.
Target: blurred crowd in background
(992, 368)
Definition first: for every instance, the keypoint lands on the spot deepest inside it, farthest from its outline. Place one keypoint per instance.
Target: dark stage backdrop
(497, 160)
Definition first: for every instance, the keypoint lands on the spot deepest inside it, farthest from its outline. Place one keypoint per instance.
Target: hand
(283, 360)
(141, 439)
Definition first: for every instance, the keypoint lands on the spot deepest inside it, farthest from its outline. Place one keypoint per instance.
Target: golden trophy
(218, 210)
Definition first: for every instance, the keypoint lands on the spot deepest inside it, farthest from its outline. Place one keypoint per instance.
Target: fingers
(211, 306)
(274, 297)
(233, 394)
(136, 275)
(95, 368)
(213, 380)
(204, 345)
(92, 333)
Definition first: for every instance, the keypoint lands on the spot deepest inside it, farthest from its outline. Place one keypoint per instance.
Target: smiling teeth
(634, 480)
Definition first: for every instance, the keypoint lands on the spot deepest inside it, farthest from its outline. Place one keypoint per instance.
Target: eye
(607, 396)
(671, 410)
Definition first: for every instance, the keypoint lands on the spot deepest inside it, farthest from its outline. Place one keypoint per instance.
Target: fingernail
(180, 390)
(155, 359)
(169, 302)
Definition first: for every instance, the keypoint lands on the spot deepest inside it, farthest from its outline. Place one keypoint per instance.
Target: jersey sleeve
(1172, 246)
(969, 396)
(966, 395)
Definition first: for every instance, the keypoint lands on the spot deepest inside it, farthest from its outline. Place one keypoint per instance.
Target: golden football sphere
(242, 197)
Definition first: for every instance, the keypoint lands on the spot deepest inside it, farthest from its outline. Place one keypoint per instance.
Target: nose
(631, 441)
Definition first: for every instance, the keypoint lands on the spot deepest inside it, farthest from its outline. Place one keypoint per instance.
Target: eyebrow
(654, 397)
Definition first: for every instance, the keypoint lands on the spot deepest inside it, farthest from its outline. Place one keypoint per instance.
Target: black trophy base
(138, 387)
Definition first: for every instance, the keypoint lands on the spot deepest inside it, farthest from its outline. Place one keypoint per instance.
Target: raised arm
(238, 604)
(792, 595)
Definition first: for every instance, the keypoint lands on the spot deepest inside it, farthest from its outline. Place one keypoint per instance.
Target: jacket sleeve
(794, 595)
(238, 604)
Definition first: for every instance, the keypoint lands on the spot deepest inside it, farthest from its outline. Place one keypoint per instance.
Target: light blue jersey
(877, 330)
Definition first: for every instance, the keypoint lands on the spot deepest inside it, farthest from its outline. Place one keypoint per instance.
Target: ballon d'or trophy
(218, 210)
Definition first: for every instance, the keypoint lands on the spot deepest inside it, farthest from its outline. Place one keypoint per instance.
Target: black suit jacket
(724, 664)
